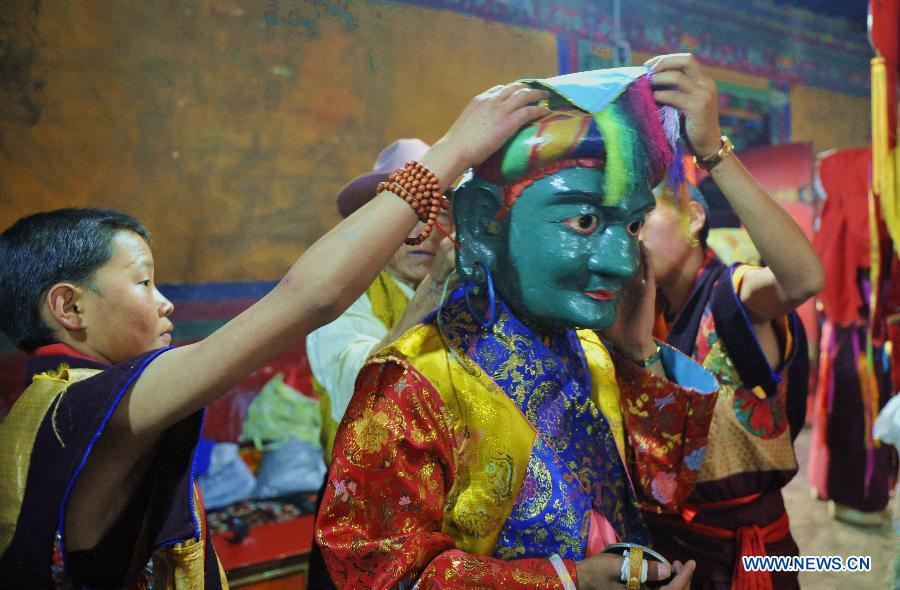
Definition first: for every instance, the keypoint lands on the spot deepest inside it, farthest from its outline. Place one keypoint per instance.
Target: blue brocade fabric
(575, 464)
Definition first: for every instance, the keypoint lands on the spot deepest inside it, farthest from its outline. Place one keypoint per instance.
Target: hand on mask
(444, 260)
(482, 128)
(632, 332)
(680, 81)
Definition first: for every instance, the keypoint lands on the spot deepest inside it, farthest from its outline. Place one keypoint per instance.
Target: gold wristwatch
(710, 162)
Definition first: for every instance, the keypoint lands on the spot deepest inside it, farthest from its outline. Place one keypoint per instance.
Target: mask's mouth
(601, 295)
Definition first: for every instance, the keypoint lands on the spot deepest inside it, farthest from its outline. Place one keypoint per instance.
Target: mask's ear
(475, 204)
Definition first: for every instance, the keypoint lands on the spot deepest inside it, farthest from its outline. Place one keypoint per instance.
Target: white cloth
(337, 351)
(887, 425)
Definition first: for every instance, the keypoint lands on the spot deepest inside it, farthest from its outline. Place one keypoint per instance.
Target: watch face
(710, 162)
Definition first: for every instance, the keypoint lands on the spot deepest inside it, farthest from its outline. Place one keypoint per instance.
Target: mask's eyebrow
(577, 197)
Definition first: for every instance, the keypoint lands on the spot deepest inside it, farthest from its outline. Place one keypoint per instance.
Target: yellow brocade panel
(493, 439)
(492, 445)
(387, 299)
(17, 434)
(329, 425)
(181, 567)
(885, 162)
(604, 388)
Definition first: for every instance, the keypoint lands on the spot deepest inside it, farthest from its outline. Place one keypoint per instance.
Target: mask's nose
(615, 252)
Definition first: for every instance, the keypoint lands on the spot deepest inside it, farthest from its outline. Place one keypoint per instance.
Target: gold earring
(694, 241)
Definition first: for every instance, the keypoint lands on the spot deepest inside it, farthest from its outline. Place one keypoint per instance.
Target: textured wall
(829, 119)
(228, 126)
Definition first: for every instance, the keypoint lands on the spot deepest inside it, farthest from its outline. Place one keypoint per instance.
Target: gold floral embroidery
(370, 431)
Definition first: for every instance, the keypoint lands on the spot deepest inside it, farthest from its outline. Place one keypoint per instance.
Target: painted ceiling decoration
(782, 40)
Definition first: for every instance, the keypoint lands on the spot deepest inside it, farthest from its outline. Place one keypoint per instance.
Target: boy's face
(665, 236)
(126, 315)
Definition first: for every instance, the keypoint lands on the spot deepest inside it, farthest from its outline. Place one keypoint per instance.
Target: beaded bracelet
(418, 186)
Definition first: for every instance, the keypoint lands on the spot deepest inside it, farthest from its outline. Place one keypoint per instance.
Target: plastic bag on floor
(285, 425)
(228, 479)
(281, 412)
(293, 466)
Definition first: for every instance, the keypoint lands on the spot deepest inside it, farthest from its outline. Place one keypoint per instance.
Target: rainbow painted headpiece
(604, 119)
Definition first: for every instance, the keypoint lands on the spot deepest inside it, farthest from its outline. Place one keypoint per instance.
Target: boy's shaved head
(41, 250)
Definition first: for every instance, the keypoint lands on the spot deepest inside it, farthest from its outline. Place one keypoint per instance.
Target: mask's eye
(634, 228)
(583, 224)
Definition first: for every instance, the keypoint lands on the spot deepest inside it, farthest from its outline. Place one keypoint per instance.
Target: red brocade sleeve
(667, 426)
(380, 523)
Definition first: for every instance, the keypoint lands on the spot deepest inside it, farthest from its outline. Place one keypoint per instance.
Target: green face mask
(562, 255)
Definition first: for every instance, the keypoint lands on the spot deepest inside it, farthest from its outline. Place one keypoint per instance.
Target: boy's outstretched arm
(332, 274)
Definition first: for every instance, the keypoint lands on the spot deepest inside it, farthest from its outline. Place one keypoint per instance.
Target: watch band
(710, 162)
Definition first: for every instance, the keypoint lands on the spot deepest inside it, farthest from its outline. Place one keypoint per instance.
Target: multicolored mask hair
(628, 136)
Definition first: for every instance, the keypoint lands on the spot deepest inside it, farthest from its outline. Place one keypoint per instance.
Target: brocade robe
(469, 455)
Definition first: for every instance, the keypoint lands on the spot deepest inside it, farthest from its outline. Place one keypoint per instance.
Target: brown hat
(361, 189)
